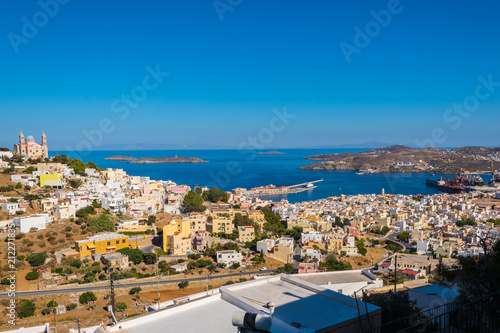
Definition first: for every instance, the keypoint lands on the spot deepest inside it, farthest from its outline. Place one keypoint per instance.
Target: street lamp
(213, 270)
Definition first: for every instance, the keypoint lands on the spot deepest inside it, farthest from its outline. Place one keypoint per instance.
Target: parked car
(262, 269)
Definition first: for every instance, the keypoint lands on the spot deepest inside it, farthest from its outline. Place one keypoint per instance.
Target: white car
(262, 269)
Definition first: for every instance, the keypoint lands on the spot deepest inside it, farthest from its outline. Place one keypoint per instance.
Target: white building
(27, 224)
(11, 207)
(311, 235)
(64, 210)
(311, 254)
(298, 306)
(229, 257)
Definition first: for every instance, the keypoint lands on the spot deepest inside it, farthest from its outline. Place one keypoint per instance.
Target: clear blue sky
(226, 76)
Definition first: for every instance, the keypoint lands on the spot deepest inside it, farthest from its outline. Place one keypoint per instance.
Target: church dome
(29, 137)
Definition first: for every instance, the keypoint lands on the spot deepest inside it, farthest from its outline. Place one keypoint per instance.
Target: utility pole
(54, 311)
(79, 325)
(395, 269)
(112, 287)
(157, 280)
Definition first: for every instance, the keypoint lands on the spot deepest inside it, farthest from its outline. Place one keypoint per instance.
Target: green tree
(183, 284)
(76, 263)
(121, 306)
(134, 255)
(151, 219)
(71, 306)
(403, 236)
(135, 290)
(75, 183)
(476, 276)
(360, 244)
(25, 308)
(32, 276)
(102, 223)
(87, 297)
(193, 203)
(52, 304)
(149, 258)
(395, 306)
(332, 264)
(37, 259)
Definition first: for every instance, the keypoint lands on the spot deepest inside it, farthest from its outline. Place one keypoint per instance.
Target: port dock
(271, 190)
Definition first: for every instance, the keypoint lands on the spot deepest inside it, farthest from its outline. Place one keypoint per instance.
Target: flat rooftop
(322, 279)
(296, 301)
(308, 307)
(101, 237)
(212, 314)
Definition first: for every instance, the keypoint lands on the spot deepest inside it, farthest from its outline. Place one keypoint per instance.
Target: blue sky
(226, 76)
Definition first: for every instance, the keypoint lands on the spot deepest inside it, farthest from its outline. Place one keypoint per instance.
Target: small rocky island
(150, 160)
(272, 152)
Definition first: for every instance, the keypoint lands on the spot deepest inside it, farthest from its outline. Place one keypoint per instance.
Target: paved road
(84, 288)
(393, 237)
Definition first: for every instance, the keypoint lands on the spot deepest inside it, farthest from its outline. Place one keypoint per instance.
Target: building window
(123, 241)
(109, 243)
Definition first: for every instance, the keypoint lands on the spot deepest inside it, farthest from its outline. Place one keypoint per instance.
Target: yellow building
(334, 243)
(178, 245)
(256, 215)
(182, 226)
(109, 242)
(51, 179)
(246, 234)
(222, 224)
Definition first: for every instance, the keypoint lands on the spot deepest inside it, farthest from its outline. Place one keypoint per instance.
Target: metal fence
(481, 315)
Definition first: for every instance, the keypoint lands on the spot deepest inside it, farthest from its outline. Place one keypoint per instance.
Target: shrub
(194, 256)
(121, 306)
(46, 311)
(71, 306)
(87, 297)
(32, 276)
(77, 263)
(135, 290)
(25, 308)
(52, 304)
(183, 284)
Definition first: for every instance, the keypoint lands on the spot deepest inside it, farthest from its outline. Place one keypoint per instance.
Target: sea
(228, 169)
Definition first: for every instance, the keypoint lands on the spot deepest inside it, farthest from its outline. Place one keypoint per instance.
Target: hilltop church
(28, 147)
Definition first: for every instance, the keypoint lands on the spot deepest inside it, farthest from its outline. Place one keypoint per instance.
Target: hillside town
(76, 224)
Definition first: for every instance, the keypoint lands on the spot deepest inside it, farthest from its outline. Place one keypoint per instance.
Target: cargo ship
(445, 185)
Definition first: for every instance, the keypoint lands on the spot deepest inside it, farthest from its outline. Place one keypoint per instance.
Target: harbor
(272, 190)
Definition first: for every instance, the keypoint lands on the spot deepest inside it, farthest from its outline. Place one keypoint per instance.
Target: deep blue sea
(228, 169)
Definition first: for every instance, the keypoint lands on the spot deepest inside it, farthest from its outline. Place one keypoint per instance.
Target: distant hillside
(398, 158)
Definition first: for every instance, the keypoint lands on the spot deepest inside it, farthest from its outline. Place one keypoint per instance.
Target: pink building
(198, 240)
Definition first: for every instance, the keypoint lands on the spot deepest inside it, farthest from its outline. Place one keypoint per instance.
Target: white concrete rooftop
(300, 306)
